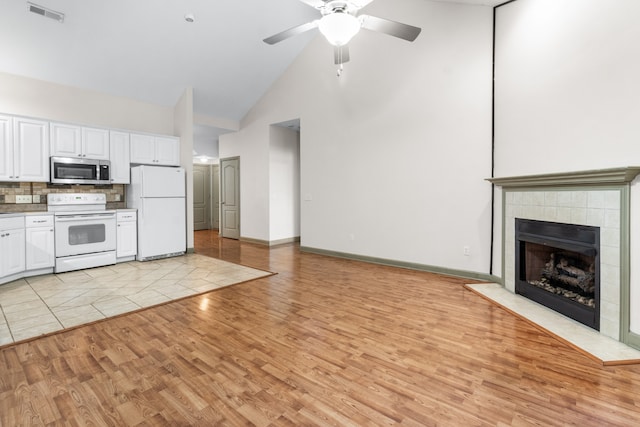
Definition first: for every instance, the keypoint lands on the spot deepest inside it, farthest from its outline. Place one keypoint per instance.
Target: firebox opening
(557, 265)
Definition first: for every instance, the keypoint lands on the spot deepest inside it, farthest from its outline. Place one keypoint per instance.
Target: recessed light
(189, 17)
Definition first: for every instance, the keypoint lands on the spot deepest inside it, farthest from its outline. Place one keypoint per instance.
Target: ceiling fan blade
(392, 28)
(341, 54)
(359, 4)
(291, 32)
(316, 4)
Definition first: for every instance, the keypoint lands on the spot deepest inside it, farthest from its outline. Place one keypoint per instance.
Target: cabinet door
(167, 151)
(12, 248)
(66, 140)
(6, 148)
(119, 157)
(127, 242)
(39, 248)
(142, 149)
(95, 143)
(31, 150)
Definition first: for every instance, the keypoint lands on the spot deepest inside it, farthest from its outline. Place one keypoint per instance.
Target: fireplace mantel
(599, 198)
(613, 176)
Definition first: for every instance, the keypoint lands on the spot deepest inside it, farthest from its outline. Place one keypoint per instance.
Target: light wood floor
(324, 342)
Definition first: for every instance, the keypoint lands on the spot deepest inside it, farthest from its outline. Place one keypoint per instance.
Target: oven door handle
(69, 218)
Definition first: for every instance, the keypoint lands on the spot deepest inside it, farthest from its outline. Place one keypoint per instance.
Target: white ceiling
(144, 49)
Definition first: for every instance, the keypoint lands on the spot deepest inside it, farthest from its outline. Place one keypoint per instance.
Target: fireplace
(558, 265)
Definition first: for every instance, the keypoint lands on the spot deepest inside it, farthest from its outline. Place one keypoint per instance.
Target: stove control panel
(67, 199)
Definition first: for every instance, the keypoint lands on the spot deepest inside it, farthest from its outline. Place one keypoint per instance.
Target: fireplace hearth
(557, 265)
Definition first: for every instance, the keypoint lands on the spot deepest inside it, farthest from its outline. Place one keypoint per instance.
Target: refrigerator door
(158, 181)
(161, 227)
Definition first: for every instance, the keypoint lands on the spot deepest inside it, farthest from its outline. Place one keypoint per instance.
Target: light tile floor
(600, 347)
(38, 305)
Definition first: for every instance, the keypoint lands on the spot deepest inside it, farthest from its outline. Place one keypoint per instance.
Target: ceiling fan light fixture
(339, 27)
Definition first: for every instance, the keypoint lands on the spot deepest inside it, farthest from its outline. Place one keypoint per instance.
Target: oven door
(83, 233)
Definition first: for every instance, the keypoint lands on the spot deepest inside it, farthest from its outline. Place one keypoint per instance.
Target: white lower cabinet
(12, 244)
(40, 244)
(127, 235)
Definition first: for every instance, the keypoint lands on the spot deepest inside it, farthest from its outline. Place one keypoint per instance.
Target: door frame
(222, 186)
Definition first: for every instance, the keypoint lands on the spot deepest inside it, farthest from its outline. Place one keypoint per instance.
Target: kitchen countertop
(12, 215)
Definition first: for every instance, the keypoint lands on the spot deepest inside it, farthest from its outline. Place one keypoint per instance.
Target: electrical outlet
(36, 198)
(23, 199)
(466, 250)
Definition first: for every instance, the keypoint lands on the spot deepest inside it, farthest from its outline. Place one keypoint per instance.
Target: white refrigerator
(158, 193)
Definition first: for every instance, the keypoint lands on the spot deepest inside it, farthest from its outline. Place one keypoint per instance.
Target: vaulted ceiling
(146, 49)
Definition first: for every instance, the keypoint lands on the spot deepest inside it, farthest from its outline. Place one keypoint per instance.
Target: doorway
(206, 197)
(230, 197)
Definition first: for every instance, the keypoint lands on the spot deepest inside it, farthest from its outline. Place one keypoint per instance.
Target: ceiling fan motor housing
(338, 6)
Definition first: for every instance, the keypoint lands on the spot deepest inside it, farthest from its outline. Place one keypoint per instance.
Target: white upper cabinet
(95, 143)
(79, 142)
(119, 157)
(24, 144)
(167, 151)
(155, 150)
(6, 148)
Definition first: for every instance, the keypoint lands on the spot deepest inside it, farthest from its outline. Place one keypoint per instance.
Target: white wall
(567, 87)
(284, 183)
(568, 93)
(394, 153)
(183, 127)
(37, 98)
(252, 146)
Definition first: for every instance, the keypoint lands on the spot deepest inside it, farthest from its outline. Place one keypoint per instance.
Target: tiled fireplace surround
(596, 198)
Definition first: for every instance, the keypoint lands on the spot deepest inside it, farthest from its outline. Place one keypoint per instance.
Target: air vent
(48, 13)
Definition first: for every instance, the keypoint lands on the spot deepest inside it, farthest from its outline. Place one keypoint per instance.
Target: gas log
(565, 272)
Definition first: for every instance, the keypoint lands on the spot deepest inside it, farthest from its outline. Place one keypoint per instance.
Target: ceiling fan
(340, 22)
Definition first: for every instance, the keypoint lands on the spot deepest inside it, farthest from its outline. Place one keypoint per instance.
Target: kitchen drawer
(12, 223)
(126, 216)
(39, 221)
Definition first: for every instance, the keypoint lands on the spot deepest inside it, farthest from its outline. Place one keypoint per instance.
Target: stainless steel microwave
(69, 170)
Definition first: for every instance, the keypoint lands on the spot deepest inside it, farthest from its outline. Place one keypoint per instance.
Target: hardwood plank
(325, 341)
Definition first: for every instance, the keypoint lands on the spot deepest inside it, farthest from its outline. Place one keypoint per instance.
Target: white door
(201, 197)
(167, 151)
(40, 248)
(119, 156)
(6, 148)
(31, 150)
(143, 149)
(95, 143)
(12, 246)
(127, 242)
(230, 197)
(65, 140)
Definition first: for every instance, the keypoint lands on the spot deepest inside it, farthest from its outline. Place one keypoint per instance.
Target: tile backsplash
(39, 190)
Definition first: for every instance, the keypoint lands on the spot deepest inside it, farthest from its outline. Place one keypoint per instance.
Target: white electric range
(85, 231)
